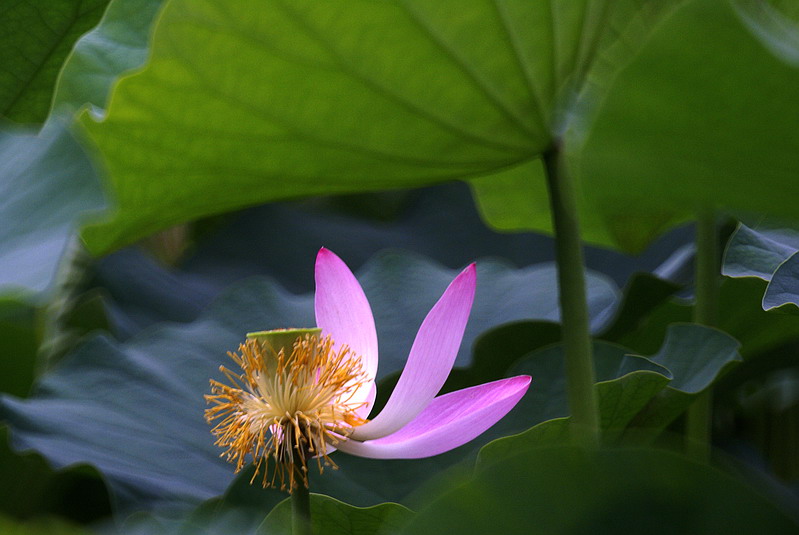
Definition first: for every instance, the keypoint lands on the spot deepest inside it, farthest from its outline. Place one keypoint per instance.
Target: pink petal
(449, 421)
(363, 412)
(343, 312)
(430, 361)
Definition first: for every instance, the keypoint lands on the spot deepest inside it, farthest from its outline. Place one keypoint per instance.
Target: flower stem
(300, 510)
(706, 281)
(573, 304)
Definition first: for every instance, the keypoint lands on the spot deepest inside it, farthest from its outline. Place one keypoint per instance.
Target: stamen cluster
(285, 409)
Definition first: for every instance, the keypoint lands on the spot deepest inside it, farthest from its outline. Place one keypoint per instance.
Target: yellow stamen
(286, 408)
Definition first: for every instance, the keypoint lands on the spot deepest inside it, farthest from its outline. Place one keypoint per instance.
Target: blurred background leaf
(49, 187)
(85, 409)
(32, 490)
(40, 527)
(767, 251)
(633, 392)
(439, 222)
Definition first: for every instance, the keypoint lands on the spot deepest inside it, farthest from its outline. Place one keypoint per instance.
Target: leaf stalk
(580, 376)
(706, 282)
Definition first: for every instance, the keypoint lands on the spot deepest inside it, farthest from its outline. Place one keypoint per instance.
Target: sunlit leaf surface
(310, 98)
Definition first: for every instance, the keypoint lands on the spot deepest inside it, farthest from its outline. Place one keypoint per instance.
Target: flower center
(286, 408)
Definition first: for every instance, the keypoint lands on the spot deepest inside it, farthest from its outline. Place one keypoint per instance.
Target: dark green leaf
(703, 114)
(642, 294)
(333, 517)
(18, 345)
(630, 388)
(740, 315)
(696, 356)
(571, 491)
(35, 38)
(625, 385)
(40, 526)
(31, 487)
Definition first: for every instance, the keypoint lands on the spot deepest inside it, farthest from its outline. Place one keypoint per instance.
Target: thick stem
(573, 304)
(300, 510)
(706, 279)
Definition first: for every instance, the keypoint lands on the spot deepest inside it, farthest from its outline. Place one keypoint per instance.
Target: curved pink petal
(449, 421)
(430, 361)
(343, 312)
(362, 411)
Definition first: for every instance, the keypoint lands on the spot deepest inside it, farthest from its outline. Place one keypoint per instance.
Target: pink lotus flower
(318, 399)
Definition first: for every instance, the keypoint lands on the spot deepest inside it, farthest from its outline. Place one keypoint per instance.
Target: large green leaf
(135, 410)
(399, 94)
(704, 115)
(48, 187)
(572, 491)
(247, 101)
(35, 38)
(517, 199)
(119, 43)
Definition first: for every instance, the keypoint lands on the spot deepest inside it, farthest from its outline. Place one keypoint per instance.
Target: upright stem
(300, 510)
(573, 304)
(706, 279)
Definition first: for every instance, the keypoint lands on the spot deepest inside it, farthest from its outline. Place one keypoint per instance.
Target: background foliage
(168, 169)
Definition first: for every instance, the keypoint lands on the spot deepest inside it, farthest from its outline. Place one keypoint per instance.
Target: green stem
(699, 417)
(573, 304)
(300, 510)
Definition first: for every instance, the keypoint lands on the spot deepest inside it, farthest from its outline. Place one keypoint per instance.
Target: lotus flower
(316, 398)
